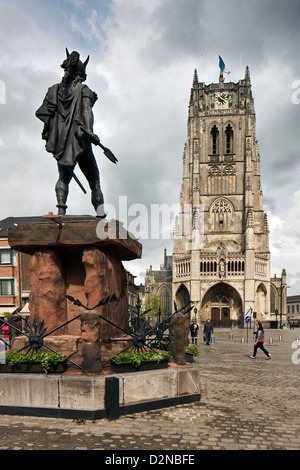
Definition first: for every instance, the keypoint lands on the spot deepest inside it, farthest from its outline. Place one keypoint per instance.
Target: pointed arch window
(221, 213)
(229, 139)
(214, 140)
(165, 299)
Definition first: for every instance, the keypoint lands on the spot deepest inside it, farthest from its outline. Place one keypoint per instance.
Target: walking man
(208, 331)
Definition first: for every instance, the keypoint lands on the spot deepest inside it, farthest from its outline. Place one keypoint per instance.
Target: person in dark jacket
(194, 332)
(208, 331)
(259, 341)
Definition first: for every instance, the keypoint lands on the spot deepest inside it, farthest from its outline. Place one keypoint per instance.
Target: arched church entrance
(223, 305)
(182, 296)
(261, 301)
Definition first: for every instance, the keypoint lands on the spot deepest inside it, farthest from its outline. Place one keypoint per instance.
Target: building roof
(293, 298)
(5, 224)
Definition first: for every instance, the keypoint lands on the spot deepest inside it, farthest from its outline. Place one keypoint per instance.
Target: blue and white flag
(222, 65)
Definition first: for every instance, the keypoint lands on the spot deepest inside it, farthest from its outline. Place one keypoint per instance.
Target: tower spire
(194, 88)
(195, 79)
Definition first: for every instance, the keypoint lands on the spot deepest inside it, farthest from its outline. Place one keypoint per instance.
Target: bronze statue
(68, 131)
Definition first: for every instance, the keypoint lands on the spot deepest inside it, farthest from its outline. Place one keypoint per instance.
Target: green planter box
(24, 367)
(145, 365)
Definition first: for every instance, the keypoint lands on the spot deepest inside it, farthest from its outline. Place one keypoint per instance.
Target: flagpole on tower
(222, 67)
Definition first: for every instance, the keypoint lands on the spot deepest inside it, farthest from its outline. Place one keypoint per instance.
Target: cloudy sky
(142, 57)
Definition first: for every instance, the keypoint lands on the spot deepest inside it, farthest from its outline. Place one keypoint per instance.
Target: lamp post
(276, 313)
(281, 309)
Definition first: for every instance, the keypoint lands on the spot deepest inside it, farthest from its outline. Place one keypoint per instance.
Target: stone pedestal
(82, 257)
(178, 337)
(91, 353)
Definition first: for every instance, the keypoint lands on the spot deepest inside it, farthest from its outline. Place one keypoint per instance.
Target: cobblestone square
(245, 405)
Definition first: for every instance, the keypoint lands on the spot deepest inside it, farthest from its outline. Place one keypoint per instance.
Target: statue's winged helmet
(73, 60)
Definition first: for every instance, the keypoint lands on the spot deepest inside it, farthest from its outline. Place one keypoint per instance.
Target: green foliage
(193, 350)
(46, 358)
(154, 302)
(6, 314)
(136, 358)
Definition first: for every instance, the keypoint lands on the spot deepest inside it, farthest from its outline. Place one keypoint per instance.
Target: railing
(141, 335)
(183, 268)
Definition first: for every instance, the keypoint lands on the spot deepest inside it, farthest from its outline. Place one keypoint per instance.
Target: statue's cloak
(62, 117)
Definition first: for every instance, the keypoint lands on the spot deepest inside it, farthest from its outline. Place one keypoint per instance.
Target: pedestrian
(208, 331)
(259, 340)
(5, 329)
(194, 331)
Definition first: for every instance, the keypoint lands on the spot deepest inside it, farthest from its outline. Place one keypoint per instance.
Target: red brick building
(14, 269)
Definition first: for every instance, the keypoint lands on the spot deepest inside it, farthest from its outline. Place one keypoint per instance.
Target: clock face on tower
(221, 98)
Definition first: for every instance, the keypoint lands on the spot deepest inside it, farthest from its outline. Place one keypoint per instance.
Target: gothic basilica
(221, 256)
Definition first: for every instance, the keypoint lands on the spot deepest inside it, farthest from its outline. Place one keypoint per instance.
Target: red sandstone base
(69, 258)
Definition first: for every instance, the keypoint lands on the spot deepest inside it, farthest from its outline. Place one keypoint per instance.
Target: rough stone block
(188, 382)
(82, 393)
(32, 390)
(148, 385)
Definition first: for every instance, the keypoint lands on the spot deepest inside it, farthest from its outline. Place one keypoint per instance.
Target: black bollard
(112, 398)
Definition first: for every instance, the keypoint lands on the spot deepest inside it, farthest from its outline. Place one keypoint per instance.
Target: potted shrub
(190, 352)
(136, 361)
(39, 362)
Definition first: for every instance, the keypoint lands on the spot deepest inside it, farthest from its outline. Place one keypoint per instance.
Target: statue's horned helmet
(73, 61)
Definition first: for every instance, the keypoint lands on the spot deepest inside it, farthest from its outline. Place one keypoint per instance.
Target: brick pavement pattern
(245, 404)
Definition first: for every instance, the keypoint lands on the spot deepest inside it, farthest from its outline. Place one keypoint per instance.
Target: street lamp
(276, 313)
(281, 309)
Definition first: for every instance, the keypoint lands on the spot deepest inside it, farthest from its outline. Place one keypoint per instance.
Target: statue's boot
(98, 202)
(62, 190)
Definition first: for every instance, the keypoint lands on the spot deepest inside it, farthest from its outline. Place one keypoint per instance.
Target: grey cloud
(176, 33)
(141, 66)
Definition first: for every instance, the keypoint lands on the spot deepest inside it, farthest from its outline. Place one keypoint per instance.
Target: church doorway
(182, 296)
(220, 317)
(223, 305)
(225, 318)
(215, 317)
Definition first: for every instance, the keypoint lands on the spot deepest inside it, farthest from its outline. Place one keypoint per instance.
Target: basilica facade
(221, 255)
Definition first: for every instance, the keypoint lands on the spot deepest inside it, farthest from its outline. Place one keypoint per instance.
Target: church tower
(221, 258)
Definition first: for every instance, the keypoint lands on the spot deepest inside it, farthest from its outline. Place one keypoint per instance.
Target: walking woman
(259, 341)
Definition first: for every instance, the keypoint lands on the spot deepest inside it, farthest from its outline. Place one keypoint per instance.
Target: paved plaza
(245, 404)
